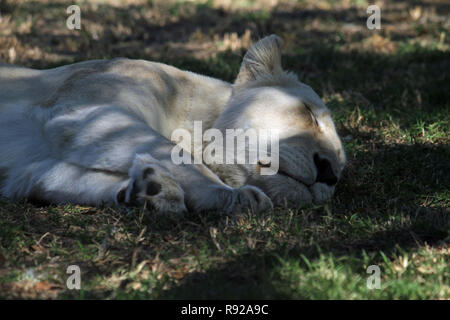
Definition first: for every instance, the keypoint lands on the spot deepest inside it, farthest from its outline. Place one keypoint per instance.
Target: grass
(389, 93)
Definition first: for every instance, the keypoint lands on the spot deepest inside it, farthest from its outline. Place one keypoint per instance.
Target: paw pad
(147, 172)
(121, 195)
(153, 188)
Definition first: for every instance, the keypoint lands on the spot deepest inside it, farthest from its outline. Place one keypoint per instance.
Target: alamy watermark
(373, 281)
(74, 280)
(74, 20)
(374, 20)
(239, 146)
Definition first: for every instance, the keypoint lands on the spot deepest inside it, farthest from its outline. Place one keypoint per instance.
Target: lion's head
(311, 155)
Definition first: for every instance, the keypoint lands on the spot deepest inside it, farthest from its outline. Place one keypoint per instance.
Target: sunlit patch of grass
(413, 274)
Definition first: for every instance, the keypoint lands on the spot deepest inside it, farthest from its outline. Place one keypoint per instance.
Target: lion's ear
(262, 59)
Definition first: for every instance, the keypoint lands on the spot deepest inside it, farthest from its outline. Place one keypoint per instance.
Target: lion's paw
(250, 198)
(152, 183)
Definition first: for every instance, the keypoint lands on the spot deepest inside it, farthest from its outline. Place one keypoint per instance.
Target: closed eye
(316, 123)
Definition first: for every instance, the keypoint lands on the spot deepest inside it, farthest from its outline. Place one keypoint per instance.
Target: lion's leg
(167, 187)
(163, 185)
(203, 190)
(60, 182)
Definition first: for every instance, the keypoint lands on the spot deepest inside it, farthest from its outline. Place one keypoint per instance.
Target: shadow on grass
(391, 196)
(254, 275)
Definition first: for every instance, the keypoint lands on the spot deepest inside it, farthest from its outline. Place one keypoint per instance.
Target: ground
(389, 91)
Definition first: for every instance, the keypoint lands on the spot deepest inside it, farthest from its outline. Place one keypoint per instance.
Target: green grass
(390, 103)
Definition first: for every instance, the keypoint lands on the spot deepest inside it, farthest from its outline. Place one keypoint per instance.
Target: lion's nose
(324, 171)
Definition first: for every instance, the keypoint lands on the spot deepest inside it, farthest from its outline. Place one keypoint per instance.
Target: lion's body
(99, 132)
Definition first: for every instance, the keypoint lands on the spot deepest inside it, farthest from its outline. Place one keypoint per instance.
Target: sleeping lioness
(98, 132)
